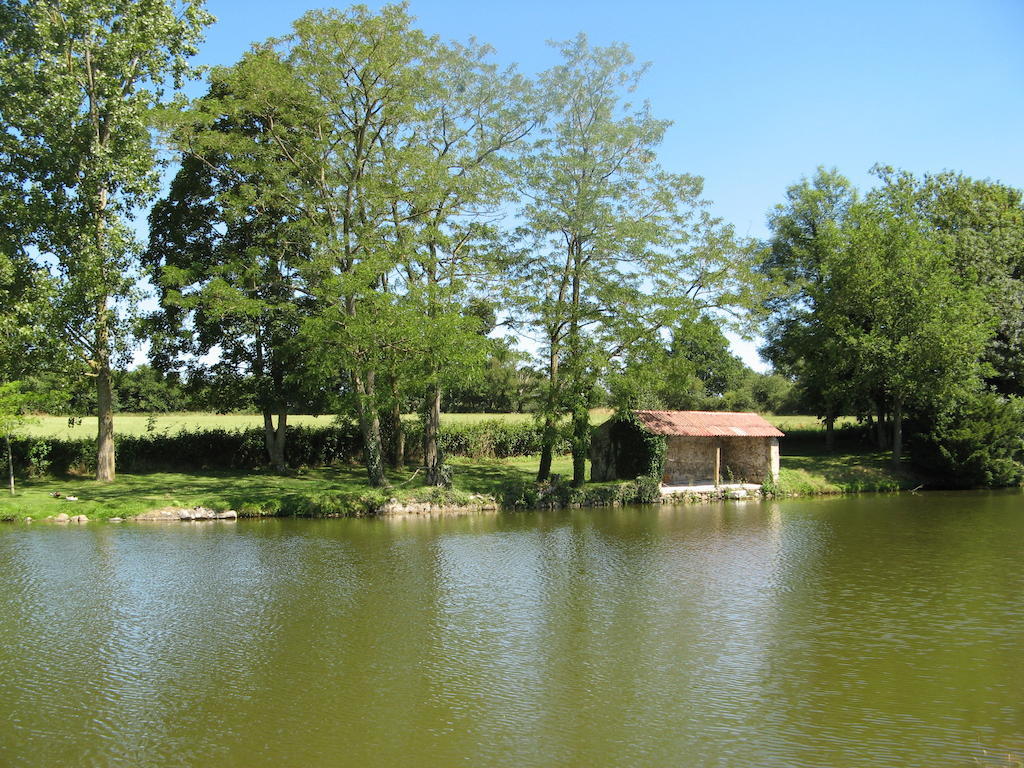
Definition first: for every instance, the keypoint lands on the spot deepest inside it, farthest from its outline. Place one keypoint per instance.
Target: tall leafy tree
(982, 223)
(808, 232)
(335, 94)
(473, 116)
(78, 84)
(618, 247)
(884, 323)
(384, 143)
(913, 328)
(227, 257)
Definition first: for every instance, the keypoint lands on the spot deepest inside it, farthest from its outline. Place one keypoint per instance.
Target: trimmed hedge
(222, 449)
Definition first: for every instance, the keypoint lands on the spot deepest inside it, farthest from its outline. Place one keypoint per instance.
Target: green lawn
(809, 474)
(255, 491)
(803, 422)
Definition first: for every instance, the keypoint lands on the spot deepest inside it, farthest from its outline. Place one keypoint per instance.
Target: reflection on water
(842, 632)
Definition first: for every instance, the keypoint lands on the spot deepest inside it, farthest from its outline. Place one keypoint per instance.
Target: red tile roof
(706, 424)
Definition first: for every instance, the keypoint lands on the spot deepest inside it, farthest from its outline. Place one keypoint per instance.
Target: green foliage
(618, 247)
(211, 449)
(38, 463)
(507, 384)
(982, 223)
(695, 370)
(977, 442)
(877, 319)
(79, 84)
(226, 449)
(637, 453)
(522, 493)
(357, 157)
(651, 449)
(491, 438)
(144, 389)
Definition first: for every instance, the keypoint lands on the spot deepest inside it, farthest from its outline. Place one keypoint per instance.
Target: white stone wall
(691, 460)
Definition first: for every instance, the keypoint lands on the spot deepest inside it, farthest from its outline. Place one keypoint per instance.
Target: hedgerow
(226, 449)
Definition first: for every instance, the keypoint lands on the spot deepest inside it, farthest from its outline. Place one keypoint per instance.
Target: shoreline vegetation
(492, 458)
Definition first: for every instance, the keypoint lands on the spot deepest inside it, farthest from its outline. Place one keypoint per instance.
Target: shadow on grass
(845, 471)
(486, 476)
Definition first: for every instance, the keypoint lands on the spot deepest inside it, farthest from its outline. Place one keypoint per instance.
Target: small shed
(702, 447)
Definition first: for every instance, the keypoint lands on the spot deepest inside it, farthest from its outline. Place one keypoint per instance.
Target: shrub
(189, 450)
(526, 494)
(225, 449)
(975, 443)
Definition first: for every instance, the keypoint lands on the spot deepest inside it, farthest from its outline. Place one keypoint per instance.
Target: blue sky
(761, 93)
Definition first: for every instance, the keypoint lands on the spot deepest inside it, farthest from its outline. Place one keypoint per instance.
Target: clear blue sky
(762, 92)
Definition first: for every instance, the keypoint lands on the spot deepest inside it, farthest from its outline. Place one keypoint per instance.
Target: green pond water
(858, 631)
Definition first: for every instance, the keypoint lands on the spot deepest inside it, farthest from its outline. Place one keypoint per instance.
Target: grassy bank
(343, 490)
(807, 475)
(337, 490)
(806, 470)
(852, 467)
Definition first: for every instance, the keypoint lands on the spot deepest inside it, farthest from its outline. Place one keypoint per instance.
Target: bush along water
(557, 493)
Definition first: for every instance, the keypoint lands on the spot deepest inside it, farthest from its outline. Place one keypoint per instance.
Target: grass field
(804, 422)
(141, 423)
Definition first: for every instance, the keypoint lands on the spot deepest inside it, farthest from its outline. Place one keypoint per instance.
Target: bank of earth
(478, 485)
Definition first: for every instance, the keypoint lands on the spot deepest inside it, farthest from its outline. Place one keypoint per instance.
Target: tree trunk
(397, 431)
(881, 436)
(830, 433)
(580, 414)
(369, 425)
(897, 432)
(104, 392)
(431, 426)
(10, 463)
(547, 448)
(105, 417)
(275, 439)
(549, 433)
(580, 445)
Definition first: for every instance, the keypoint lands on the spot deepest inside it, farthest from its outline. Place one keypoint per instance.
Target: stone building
(702, 447)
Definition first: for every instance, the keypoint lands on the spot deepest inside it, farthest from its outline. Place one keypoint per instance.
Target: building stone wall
(748, 459)
(617, 452)
(690, 460)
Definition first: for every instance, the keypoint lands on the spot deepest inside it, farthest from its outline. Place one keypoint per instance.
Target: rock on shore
(396, 508)
(174, 514)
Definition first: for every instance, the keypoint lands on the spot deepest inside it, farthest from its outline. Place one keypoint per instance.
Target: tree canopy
(78, 85)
